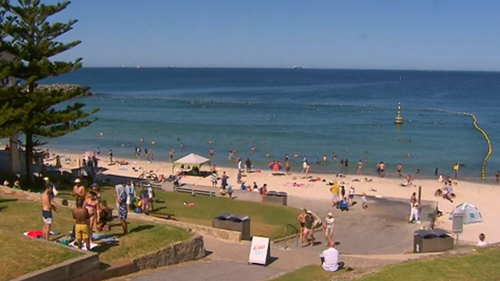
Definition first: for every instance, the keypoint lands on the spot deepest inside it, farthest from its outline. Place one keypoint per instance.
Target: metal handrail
(296, 238)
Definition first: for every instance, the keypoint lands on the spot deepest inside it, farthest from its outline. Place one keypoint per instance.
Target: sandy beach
(483, 196)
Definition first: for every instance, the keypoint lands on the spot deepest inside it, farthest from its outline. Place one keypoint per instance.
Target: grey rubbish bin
(425, 241)
(277, 197)
(240, 223)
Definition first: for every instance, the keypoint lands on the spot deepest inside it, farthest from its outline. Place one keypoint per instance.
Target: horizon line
(289, 68)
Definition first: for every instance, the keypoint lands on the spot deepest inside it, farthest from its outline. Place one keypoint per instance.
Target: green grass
(20, 255)
(21, 216)
(309, 273)
(480, 266)
(267, 219)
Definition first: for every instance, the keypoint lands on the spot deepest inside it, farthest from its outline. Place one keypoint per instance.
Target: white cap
(78, 180)
(330, 214)
(309, 212)
(46, 179)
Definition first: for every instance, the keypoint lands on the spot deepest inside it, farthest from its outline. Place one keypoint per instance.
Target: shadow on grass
(141, 228)
(2, 208)
(7, 200)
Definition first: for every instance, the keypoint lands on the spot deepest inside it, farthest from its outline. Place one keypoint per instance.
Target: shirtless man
(79, 190)
(47, 207)
(82, 229)
(302, 223)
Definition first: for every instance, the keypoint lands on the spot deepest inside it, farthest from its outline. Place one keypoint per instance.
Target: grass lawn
(20, 255)
(21, 216)
(480, 266)
(309, 273)
(267, 220)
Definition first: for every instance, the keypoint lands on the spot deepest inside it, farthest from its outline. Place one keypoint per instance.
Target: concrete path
(382, 230)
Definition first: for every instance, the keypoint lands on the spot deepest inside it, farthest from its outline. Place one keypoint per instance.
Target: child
(329, 220)
(365, 201)
(351, 195)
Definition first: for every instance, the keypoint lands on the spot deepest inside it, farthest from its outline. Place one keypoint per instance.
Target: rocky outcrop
(63, 88)
(189, 250)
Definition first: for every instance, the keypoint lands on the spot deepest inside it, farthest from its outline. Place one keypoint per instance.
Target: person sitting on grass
(330, 258)
(482, 242)
(82, 228)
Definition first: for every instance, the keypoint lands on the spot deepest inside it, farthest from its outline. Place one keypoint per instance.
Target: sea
(308, 112)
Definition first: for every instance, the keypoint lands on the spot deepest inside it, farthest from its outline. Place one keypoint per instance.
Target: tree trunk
(29, 159)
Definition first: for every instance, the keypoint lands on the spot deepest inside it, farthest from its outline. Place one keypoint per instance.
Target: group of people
(227, 190)
(148, 154)
(343, 202)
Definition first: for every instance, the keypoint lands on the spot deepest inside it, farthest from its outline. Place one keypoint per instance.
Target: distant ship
(298, 67)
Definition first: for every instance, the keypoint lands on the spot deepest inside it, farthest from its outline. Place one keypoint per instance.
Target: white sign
(260, 250)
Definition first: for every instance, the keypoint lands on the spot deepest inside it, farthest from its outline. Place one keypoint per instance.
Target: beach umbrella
(470, 213)
(275, 165)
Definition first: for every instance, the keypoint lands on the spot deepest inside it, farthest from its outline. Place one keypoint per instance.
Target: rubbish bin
(240, 223)
(425, 241)
(277, 197)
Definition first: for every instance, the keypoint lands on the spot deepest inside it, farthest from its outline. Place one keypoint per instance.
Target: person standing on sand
(110, 154)
(240, 164)
(360, 167)
(215, 179)
(248, 164)
(400, 169)
(287, 166)
(382, 169)
(47, 207)
(497, 176)
(304, 165)
(302, 224)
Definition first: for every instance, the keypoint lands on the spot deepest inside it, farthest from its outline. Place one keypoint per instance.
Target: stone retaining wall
(82, 268)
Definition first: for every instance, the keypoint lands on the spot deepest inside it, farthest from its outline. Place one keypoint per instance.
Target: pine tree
(33, 41)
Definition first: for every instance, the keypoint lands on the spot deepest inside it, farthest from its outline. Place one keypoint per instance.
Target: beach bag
(344, 206)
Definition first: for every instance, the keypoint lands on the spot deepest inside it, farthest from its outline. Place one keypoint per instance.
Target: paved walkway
(228, 261)
(381, 230)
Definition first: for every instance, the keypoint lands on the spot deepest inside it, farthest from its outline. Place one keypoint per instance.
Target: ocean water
(306, 112)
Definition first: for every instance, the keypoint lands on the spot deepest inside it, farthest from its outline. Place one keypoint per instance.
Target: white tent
(470, 212)
(192, 160)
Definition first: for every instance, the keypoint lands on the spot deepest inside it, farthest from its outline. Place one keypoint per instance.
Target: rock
(63, 88)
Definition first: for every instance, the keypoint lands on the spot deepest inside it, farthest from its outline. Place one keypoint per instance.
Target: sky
(353, 34)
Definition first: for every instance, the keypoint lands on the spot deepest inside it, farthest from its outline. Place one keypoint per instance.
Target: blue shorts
(47, 217)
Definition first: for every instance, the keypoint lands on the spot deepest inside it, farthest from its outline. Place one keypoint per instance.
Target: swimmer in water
(153, 142)
(210, 142)
(263, 140)
(296, 155)
(268, 154)
(334, 156)
(141, 140)
(211, 152)
(408, 155)
(253, 148)
(181, 145)
(325, 159)
(101, 134)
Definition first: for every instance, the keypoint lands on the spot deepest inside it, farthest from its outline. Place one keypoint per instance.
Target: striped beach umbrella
(275, 165)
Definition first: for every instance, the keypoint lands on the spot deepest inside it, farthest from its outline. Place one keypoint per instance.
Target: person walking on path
(330, 258)
(302, 224)
(121, 200)
(309, 228)
(334, 189)
(263, 193)
(329, 220)
(215, 179)
(47, 207)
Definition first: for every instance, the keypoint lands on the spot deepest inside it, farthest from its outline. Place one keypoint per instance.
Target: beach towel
(84, 245)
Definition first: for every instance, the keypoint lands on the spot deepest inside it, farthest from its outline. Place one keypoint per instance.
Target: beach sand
(483, 196)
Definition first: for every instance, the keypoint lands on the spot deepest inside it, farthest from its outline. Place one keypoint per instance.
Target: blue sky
(381, 34)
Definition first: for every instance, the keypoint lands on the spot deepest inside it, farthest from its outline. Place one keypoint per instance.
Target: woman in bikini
(92, 205)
